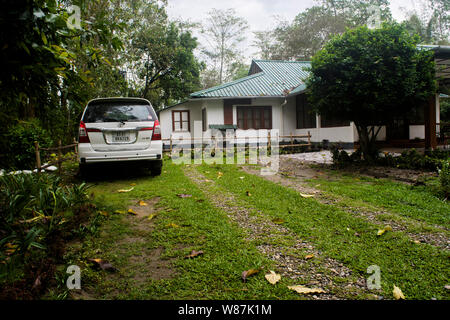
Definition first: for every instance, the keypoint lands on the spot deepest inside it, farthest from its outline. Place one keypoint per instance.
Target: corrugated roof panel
(275, 78)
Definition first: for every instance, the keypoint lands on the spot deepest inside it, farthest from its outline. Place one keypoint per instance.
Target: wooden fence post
(181, 143)
(38, 156)
(269, 141)
(309, 140)
(292, 143)
(59, 157)
(76, 146)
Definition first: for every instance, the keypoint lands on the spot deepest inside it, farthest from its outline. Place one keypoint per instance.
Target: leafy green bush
(341, 158)
(411, 159)
(19, 146)
(444, 178)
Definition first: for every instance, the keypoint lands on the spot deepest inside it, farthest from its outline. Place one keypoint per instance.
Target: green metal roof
(274, 79)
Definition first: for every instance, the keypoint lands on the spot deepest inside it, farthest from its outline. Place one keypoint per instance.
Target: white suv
(120, 129)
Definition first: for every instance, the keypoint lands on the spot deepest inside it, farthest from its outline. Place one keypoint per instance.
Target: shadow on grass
(111, 172)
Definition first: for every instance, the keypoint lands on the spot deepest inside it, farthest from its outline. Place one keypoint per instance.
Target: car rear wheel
(82, 170)
(156, 168)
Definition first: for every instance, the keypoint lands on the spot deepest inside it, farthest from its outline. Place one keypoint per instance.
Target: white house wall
(283, 119)
(214, 111)
(165, 119)
(318, 134)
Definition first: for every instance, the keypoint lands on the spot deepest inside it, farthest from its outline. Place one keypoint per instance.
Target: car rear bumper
(86, 154)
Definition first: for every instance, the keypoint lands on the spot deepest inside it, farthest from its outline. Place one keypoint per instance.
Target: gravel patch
(324, 157)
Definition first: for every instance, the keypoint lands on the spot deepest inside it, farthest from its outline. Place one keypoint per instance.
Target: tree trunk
(367, 143)
(222, 53)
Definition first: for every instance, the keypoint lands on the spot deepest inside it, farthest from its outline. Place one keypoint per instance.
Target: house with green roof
(271, 97)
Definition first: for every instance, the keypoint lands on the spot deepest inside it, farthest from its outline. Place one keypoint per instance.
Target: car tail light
(82, 133)
(156, 131)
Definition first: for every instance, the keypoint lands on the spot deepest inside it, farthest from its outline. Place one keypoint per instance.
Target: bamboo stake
(38, 156)
(76, 146)
(59, 157)
(292, 142)
(309, 140)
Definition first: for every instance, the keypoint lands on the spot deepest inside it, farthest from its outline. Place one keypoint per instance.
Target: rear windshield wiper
(114, 120)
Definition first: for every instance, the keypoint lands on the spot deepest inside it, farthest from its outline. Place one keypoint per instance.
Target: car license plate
(121, 136)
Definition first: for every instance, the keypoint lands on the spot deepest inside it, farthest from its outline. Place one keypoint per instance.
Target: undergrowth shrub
(408, 159)
(444, 178)
(38, 214)
(19, 144)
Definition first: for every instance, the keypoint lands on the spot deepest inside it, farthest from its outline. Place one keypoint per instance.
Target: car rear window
(118, 112)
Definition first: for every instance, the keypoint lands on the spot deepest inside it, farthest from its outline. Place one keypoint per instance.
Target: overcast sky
(260, 14)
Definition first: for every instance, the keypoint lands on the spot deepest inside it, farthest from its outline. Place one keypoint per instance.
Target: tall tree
(432, 24)
(158, 58)
(358, 12)
(264, 41)
(224, 31)
(312, 28)
(307, 34)
(39, 62)
(370, 77)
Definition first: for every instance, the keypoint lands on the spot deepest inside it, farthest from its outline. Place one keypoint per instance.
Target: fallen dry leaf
(103, 213)
(242, 178)
(278, 221)
(304, 290)
(306, 195)
(132, 184)
(248, 193)
(131, 211)
(398, 294)
(103, 264)
(150, 217)
(37, 283)
(119, 211)
(382, 231)
(194, 254)
(272, 277)
(125, 190)
(248, 273)
(309, 256)
(173, 225)
(219, 174)
(182, 195)
(143, 203)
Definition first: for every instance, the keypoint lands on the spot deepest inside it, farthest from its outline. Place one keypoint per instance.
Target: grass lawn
(180, 226)
(183, 224)
(419, 202)
(420, 270)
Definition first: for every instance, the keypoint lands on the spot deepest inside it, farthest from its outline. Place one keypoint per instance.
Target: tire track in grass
(434, 238)
(285, 247)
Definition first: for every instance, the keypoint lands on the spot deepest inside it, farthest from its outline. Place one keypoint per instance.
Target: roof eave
(234, 97)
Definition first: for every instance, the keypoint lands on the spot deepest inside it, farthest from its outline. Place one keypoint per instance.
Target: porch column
(430, 124)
